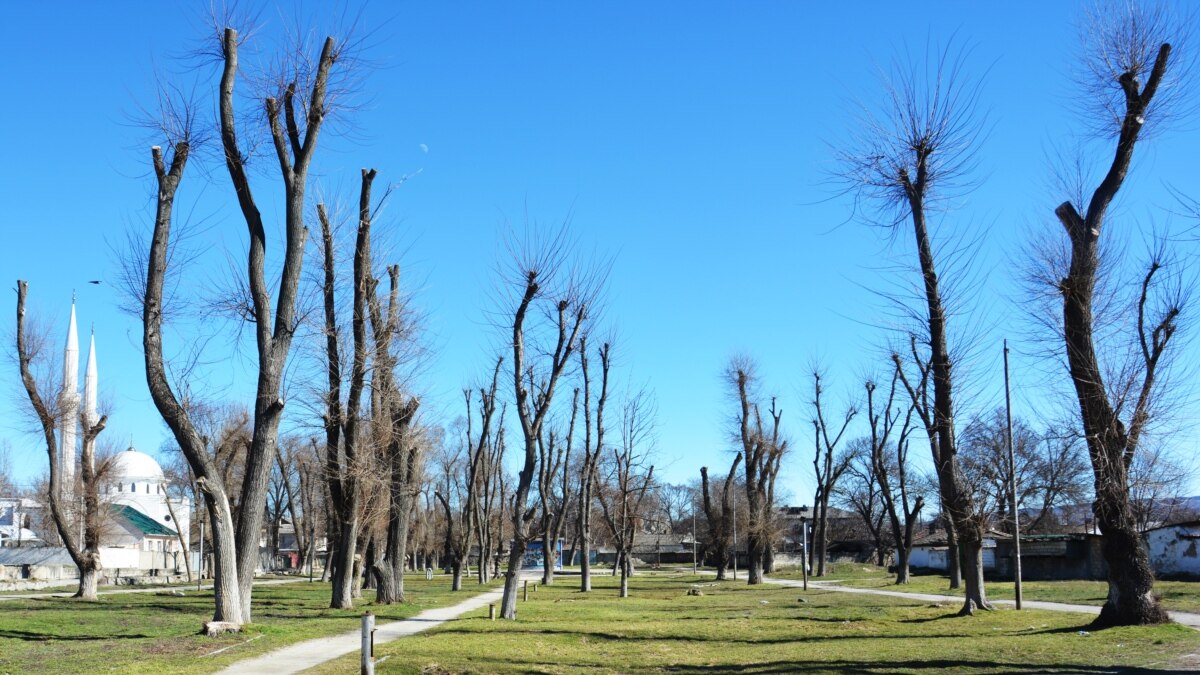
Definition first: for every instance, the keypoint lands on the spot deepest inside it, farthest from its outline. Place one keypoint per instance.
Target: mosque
(145, 531)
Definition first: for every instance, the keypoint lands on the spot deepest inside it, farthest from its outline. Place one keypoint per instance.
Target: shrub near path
(735, 628)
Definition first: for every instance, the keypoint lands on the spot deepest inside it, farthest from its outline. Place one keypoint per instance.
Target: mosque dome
(134, 465)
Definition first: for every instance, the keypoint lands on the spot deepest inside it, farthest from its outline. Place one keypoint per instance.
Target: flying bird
(97, 282)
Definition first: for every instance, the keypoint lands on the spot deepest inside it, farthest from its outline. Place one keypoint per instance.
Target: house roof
(938, 538)
(661, 543)
(47, 555)
(141, 521)
(796, 512)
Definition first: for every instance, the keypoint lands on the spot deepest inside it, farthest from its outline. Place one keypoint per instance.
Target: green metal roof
(142, 521)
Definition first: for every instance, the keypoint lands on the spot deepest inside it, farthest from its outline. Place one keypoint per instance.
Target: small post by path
(368, 644)
(526, 596)
(492, 612)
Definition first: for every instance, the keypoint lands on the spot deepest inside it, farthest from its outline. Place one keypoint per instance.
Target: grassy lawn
(144, 632)
(1180, 596)
(73, 585)
(734, 628)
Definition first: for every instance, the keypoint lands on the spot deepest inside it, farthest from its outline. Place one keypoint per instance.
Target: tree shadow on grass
(877, 667)
(49, 637)
(931, 619)
(616, 637)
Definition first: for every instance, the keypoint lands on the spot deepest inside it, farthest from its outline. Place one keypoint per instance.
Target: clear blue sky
(691, 143)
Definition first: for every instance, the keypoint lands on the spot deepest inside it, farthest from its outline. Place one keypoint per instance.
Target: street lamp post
(804, 549)
(695, 561)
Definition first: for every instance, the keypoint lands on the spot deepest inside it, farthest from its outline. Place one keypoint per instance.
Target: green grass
(734, 628)
(71, 586)
(1179, 596)
(145, 632)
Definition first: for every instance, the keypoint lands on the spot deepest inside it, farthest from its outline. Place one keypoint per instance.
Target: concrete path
(1184, 618)
(304, 655)
(134, 589)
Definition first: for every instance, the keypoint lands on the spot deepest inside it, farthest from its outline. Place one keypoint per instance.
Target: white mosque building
(145, 531)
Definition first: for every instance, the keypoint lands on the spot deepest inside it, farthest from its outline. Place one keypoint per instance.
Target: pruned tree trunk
(591, 455)
(720, 523)
(570, 313)
(1112, 442)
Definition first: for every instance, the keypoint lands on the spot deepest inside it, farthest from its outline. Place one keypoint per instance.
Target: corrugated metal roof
(44, 555)
(142, 521)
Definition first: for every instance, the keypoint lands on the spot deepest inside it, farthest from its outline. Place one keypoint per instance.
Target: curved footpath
(311, 653)
(1184, 618)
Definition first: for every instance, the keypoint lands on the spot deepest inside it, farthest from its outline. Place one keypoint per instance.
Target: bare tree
(763, 449)
(720, 522)
(1132, 54)
(828, 468)
(294, 114)
(915, 151)
(472, 485)
(628, 479)
(1049, 470)
(903, 508)
(85, 550)
(1157, 481)
(343, 436)
(535, 278)
(862, 492)
(554, 489)
(592, 447)
(8, 486)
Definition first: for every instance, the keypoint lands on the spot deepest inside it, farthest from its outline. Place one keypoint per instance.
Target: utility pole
(695, 563)
(1012, 472)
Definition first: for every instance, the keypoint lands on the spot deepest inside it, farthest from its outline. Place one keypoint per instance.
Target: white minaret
(90, 380)
(68, 402)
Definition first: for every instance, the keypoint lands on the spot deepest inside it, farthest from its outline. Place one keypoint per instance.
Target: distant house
(45, 563)
(16, 519)
(1173, 549)
(845, 536)
(136, 544)
(1054, 556)
(931, 551)
(655, 549)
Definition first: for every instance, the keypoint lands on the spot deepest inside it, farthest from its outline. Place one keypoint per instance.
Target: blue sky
(692, 144)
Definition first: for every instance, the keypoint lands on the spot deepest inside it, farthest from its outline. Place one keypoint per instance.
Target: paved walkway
(135, 589)
(304, 655)
(1184, 618)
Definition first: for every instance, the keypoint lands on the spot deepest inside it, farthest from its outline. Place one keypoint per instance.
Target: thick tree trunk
(225, 586)
(516, 556)
(972, 574)
(902, 556)
(626, 572)
(953, 559)
(88, 578)
(457, 569)
(1131, 599)
(342, 593)
(549, 555)
(721, 553)
(754, 555)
